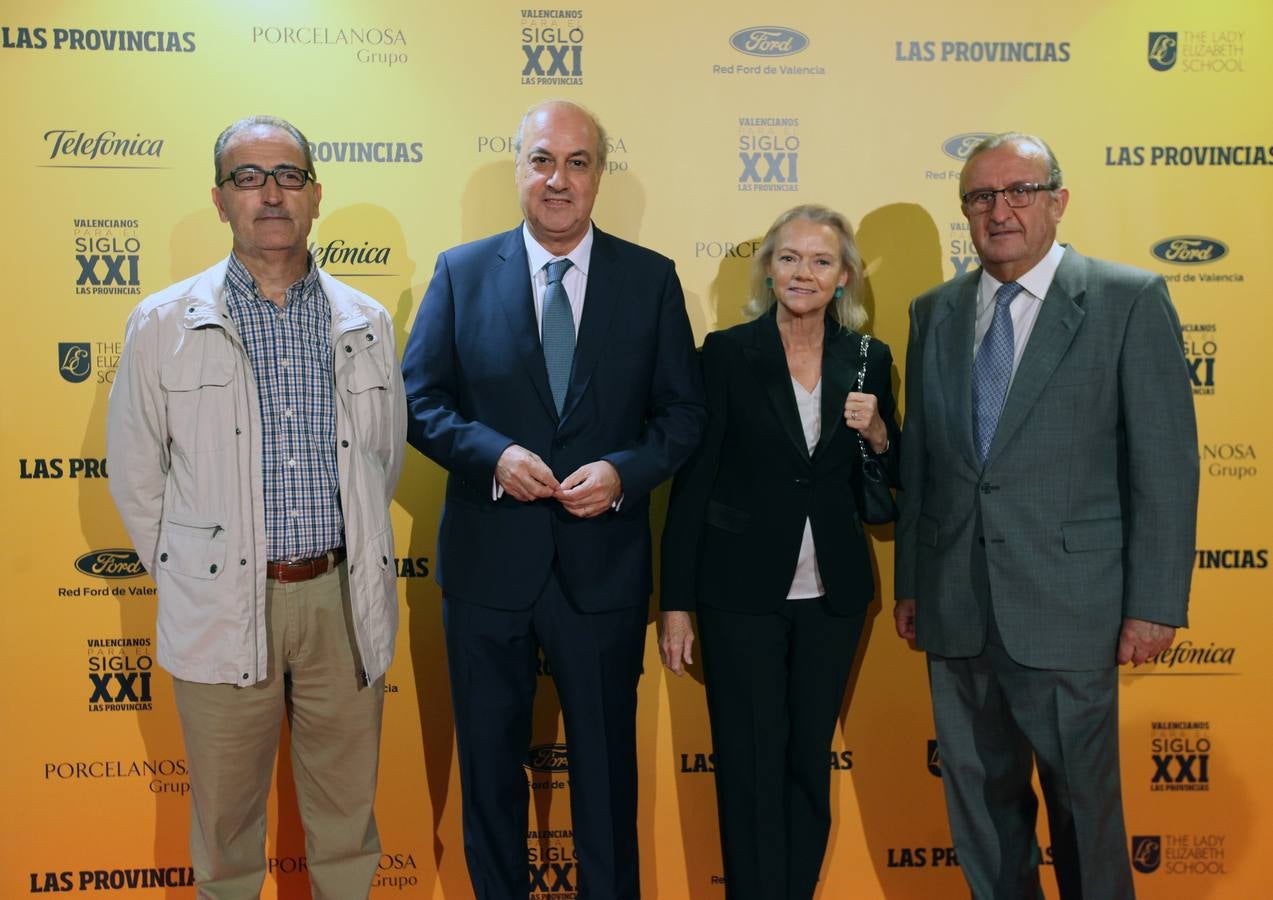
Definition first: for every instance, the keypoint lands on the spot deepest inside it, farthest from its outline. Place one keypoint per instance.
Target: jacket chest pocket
(201, 402)
(363, 385)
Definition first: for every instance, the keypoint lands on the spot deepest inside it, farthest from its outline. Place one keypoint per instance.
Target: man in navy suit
(551, 371)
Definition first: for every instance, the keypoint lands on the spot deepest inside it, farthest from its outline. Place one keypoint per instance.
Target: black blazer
(738, 508)
(476, 383)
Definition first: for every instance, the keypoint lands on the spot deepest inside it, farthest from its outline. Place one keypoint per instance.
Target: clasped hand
(588, 491)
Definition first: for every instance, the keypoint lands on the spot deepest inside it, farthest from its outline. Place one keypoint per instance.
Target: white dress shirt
(1024, 307)
(575, 281)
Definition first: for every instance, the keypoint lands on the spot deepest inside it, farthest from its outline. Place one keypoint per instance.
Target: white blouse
(807, 581)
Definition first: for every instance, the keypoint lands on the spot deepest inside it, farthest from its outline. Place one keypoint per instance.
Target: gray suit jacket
(1085, 509)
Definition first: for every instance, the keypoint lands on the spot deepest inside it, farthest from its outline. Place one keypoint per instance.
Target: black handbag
(875, 500)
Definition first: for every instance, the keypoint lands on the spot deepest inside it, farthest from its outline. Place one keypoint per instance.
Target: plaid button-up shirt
(290, 351)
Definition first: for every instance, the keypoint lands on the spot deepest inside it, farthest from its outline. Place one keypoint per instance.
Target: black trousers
(775, 683)
(596, 662)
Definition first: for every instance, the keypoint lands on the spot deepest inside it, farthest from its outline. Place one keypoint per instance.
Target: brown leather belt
(292, 570)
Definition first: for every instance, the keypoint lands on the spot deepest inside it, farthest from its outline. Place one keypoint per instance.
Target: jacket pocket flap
(1070, 377)
(191, 550)
(727, 518)
(365, 374)
(182, 375)
(1095, 534)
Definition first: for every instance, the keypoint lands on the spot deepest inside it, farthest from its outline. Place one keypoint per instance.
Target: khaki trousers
(232, 734)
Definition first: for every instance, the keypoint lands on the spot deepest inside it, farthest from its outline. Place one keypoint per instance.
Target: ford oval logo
(547, 758)
(114, 563)
(768, 40)
(1189, 249)
(959, 146)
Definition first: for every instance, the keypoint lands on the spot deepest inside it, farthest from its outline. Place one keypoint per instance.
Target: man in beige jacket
(255, 434)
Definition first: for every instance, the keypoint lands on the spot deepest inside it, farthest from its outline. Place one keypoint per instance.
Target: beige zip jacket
(183, 443)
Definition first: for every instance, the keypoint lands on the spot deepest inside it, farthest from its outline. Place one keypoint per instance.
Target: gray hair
(596, 125)
(218, 149)
(848, 309)
(1021, 139)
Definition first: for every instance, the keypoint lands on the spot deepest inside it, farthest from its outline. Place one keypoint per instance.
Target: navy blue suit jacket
(476, 383)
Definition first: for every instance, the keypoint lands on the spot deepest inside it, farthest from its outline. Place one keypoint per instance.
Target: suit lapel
(955, 329)
(841, 359)
(511, 283)
(769, 366)
(1054, 330)
(600, 300)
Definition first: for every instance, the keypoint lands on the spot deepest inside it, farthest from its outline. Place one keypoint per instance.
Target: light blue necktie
(992, 370)
(557, 332)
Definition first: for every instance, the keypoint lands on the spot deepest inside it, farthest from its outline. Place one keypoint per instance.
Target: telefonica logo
(959, 146)
(547, 758)
(1189, 250)
(114, 563)
(81, 145)
(768, 40)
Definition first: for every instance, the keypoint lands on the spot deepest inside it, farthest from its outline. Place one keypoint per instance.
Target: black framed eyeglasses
(1015, 195)
(253, 178)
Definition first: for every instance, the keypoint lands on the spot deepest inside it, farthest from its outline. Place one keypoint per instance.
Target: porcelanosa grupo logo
(1189, 250)
(386, 46)
(768, 40)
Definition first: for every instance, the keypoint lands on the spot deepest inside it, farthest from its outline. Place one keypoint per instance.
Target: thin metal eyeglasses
(253, 178)
(1015, 195)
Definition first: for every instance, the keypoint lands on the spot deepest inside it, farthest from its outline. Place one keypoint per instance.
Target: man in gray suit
(1050, 476)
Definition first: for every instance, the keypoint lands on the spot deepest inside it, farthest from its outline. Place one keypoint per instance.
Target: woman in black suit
(764, 541)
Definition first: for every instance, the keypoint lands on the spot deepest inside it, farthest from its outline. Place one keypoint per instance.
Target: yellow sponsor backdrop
(412, 108)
